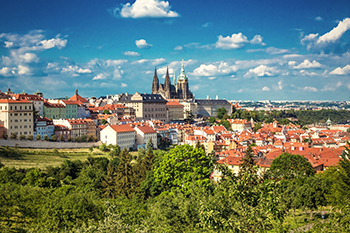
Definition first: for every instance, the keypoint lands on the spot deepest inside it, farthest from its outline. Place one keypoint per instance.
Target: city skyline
(248, 50)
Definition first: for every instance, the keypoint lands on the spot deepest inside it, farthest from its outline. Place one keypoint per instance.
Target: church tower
(182, 85)
(155, 84)
(167, 85)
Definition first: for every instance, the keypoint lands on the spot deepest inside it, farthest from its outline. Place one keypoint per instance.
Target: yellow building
(16, 116)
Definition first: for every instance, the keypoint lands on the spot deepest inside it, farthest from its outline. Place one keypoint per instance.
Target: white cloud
(115, 62)
(5, 71)
(142, 44)
(23, 70)
(100, 76)
(307, 88)
(341, 71)
(332, 86)
(265, 88)
(279, 86)
(124, 85)
(179, 48)
(306, 64)
(213, 70)
(232, 42)
(306, 73)
(8, 44)
(257, 40)
(329, 39)
(29, 57)
(262, 71)
(54, 42)
(318, 18)
(131, 53)
(146, 9)
(117, 74)
(76, 69)
(207, 24)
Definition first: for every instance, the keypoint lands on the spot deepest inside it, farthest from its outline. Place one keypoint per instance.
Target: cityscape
(175, 116)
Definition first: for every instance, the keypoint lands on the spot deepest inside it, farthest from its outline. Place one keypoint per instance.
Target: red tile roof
(122, 128)
(146, 129)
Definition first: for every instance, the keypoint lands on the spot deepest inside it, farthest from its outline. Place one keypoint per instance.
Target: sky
(238, 50)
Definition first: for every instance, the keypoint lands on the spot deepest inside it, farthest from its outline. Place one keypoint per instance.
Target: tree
(77, 139)
(53, 137)
(114, 151)
(212, 120)
(183, 165)
(248, 164)
(46, 138)
(257, 126)
(106, 111)
(91, 138)
(61, 138)
(22, 137)
(221, 112)
(30, 137)
(83, 138)
(124, 183)
(189, 116)
(69, 139)
(103, 122)
(13, 136)
(149, 144)
(38, 137)
(290, 166)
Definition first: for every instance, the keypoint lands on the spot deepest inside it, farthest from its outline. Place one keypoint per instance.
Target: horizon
(295, 51)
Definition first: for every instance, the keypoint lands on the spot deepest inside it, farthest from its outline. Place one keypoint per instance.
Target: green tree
(257, 126)
(83, 138)
(189, 117)
(183, 165)
(221, 112)
(13, 136)
(53, 137)
(248, 165)
(106, 111)
(124, 182)
(290, 166)
(69, 138)
(103, 122)
(22, 137)
(61, 138)
(149, 144)
(30, 137)
(46, 138)
(212, 120)
(38, 137)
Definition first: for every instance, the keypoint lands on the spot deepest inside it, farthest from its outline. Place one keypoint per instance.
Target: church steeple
(155, 84)
(167, 84)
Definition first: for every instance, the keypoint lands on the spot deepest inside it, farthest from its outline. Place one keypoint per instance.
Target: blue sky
(239, 50)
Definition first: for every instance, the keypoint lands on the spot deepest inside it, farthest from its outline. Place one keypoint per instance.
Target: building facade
(121, 135)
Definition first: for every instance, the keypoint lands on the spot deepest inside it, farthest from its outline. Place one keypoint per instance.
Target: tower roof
(182, 73)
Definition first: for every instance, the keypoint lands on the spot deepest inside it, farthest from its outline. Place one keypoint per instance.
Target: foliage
(257, 126)
(53, 137)
(83, 138)
(22, 137)
(46, 138)
(221, 112)
(106, 111)
(149, 144)
(13, 136)
(61, 138)
(103, 122)
(290, 166)
(212, 120)
(181, 166)
(124, 176)
(38, 137)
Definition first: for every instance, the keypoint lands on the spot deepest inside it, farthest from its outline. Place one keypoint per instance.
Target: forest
(172, 191)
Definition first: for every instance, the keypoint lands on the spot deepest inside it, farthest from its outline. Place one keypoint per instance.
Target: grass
(41, 158)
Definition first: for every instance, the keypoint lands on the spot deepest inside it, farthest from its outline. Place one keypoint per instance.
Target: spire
(167, 81)
(182, 73)
(155, 84)
(76, 91)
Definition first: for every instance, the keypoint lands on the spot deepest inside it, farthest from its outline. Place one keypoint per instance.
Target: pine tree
(124, 180)
(109, 183)
(247, 168)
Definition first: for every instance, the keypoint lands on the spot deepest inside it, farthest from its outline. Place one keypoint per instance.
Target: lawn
(41, 158)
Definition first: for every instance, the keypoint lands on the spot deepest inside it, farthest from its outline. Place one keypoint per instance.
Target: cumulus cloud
(332, 86)
(23, 70)
(76, 69)
(306, 73)
(29, 57)
(124, 85)
(341, 71)
(262, 71)
(142, 44)
(100, 76)
(329, 41)
(318, 18)
(257, 40)
(307, 88)
(179, 48)
(117, 73)
(265, 88)
(54, 42)
(146, 9)
(215, 70)
(232, 42)
(131, 53)
(306, 64)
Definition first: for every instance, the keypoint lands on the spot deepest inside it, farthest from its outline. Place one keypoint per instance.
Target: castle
(170, 91)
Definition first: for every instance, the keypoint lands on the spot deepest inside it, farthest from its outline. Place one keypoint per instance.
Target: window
(24, 114)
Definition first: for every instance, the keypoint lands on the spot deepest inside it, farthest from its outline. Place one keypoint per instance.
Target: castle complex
(178, 90)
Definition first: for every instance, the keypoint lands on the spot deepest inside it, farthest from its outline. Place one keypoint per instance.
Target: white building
(121, 135)
(44, 126)
(145, 133)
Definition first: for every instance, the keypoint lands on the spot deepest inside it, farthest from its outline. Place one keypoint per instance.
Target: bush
(69, 139)
(61, 138)
(83, 138)
(53, 137)
(13, 136)
(77, 139)
(30, 137)
(5, 136)
(22, 137)
(46, 138)
(38, 137)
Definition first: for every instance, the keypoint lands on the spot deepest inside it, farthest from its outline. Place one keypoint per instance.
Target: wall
(47, 145)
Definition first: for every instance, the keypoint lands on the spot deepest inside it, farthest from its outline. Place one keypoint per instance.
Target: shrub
(22, 137)
(30, 137)
(46, 138)
(13, 136)
(38, 137)
(53, 137)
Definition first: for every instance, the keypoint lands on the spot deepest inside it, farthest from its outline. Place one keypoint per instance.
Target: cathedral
(178, 90)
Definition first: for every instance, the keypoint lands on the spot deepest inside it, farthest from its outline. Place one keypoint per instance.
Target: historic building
(178, 90)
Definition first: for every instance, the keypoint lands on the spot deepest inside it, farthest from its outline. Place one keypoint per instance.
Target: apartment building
(16, 116)
(122, 135)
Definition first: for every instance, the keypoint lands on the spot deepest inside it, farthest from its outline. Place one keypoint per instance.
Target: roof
(77, 97)
(174, 103)
(15, 101)
(146, 129)
(122, 128)
(212, 102)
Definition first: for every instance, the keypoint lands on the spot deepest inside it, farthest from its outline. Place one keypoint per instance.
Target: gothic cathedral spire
(155, 84)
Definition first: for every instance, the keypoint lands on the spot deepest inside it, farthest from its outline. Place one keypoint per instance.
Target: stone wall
(46, 144)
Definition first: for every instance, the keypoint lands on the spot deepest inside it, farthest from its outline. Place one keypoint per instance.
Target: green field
(41, 158)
